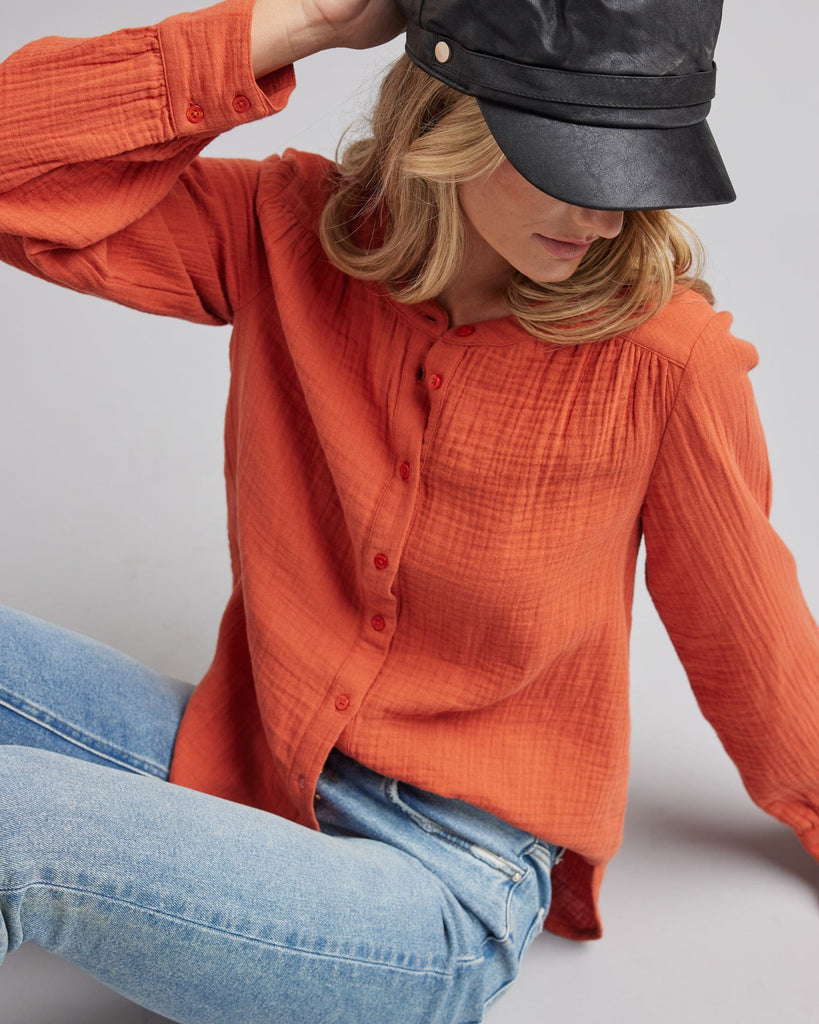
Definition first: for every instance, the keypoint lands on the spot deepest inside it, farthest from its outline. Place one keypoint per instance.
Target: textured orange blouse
(433, 528)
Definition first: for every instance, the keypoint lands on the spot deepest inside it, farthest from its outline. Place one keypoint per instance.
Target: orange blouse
(433, 529)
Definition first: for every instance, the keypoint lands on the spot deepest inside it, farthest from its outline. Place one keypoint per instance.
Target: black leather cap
(600, 103)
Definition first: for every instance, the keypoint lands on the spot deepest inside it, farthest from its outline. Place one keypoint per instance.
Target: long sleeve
(100, 188)
(726, 588)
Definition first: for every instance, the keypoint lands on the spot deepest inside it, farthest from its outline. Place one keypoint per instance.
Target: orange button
(241, 104)
(378, 622)
(435, 381)
(342, 702)
(381, 561)
(194, 113)
(404, 470)
(465, 330)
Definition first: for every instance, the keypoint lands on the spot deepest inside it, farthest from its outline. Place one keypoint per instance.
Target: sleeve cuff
(209, 73)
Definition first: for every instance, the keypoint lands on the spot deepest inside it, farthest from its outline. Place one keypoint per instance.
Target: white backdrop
(112, 523)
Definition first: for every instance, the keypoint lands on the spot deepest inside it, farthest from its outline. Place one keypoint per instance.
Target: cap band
(637, 101)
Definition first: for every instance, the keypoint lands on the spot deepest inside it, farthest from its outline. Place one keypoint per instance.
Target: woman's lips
(564, 250)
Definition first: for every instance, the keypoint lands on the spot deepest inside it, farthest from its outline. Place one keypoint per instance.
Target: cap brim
(607, 168)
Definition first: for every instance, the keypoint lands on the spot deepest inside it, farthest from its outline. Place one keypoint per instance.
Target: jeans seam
(531, 934)
(71, 734)
(503, 865)
(287, 948)
(548, 851)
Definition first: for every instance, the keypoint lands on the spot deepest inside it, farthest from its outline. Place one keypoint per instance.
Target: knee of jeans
(15, 809)
(20, 636)
(31, 797)
(11, 932)
(13, 759)
(11, 619)
(37, 800)
(20, 821)
(14, 767)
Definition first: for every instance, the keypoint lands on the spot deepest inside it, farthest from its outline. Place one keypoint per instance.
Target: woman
(434, 511)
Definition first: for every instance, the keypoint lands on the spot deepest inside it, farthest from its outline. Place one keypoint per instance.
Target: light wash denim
(406, 907)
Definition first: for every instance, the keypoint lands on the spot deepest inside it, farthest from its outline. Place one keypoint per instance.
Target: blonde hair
(394, 217)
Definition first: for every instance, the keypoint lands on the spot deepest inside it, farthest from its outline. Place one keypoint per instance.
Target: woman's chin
(554, 275)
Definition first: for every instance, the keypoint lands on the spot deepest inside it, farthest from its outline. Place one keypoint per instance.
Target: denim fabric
(405, 907)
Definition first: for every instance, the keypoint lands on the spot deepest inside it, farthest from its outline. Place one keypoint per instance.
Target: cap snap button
(442, 51)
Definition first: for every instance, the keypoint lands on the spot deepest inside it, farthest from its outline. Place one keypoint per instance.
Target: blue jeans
(406, 907)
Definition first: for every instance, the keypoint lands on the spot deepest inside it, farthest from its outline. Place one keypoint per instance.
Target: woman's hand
(358, 24)
(286, 30)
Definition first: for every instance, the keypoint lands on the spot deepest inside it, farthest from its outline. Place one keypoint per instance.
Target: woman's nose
(605, 223)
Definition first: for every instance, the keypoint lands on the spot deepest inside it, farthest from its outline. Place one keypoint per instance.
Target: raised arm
(284, 31)
(100, 188)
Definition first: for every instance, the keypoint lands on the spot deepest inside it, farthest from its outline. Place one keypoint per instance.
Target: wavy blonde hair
(395, 218)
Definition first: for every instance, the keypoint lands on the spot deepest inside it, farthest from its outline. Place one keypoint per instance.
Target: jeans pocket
(453, 821)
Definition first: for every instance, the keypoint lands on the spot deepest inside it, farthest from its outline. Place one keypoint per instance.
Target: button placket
(381, 575)
(379, 549)
(443, 360)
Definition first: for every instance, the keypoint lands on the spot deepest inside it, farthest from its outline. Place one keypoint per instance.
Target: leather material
(638, 37)
(622, 87)
(613, 168)
(654, 101)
